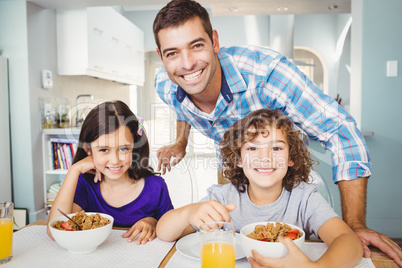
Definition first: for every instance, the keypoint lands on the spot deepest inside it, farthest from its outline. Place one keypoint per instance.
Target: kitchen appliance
(5, 152)
(83, 106)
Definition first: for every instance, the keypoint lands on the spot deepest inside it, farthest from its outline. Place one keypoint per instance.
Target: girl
(110, 174)
(268, 166)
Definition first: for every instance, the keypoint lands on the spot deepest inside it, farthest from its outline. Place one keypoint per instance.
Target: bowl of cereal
(96, 228)
(263, 237)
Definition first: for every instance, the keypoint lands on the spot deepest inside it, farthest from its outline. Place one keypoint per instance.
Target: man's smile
(192, 76)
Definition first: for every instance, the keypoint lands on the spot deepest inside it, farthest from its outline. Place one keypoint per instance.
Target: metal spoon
(231, 219)
(65, 215)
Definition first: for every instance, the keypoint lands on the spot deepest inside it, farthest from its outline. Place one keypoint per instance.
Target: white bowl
(81, 242)
(267, 249)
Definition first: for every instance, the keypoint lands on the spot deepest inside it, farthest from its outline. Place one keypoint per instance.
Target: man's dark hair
(177, 13)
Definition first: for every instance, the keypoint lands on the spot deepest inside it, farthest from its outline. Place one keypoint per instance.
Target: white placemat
(33, 248)
(313, 250)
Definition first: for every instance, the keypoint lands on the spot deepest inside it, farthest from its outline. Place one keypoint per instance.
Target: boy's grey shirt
(303, 206)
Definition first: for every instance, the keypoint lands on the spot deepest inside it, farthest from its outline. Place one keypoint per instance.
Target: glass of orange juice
(217, 245)
(6, 231)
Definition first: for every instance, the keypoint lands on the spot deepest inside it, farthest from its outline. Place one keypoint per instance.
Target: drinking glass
(6, 231)
(217, 245)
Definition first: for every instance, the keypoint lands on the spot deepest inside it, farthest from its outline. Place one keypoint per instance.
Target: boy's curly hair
(239, 133)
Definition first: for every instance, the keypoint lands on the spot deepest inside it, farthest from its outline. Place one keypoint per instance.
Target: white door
(5, 152)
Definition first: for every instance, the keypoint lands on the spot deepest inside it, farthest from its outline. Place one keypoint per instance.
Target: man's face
(189, 56)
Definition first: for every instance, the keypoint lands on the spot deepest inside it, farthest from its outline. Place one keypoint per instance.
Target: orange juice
(217, 254)
(6, 237)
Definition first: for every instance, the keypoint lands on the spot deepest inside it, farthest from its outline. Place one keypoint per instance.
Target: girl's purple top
(153, 201)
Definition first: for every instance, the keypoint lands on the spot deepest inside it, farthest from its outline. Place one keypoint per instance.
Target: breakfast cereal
(272, 231)
(86, 222)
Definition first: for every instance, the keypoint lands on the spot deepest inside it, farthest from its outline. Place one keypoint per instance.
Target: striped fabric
(255, 78)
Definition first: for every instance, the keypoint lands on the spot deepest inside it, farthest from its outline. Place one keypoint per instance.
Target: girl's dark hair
(178, 12)
(239, 133)
(106, 118)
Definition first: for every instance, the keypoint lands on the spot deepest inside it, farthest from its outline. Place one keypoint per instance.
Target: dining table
(156, 254)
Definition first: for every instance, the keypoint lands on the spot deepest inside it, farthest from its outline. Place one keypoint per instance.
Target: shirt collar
(225, 90)
(180, 94)
(230, 71)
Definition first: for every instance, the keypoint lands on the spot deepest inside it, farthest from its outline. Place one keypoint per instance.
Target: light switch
(392, 68)
(47, 79)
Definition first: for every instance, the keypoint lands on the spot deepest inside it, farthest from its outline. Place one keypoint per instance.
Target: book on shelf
(61, 153)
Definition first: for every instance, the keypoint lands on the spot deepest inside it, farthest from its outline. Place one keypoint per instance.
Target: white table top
(33, 248)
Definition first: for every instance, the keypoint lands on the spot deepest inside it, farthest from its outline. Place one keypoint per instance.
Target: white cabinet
(100, 42)
(52, 175)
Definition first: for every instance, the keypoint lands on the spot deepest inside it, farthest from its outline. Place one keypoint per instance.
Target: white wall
(14, 46)
(30, 45)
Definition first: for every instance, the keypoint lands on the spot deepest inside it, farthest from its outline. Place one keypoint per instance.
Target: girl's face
(265, 159)
(112, 153)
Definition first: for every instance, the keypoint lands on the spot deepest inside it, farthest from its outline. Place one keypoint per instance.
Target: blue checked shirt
(255, 78)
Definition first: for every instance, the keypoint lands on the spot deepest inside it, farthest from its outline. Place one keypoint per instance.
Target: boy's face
(112, 153)
(265, 159)
(189, 56)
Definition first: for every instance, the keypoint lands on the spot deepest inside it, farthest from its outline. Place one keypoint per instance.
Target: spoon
(65, 215)
(231, 219)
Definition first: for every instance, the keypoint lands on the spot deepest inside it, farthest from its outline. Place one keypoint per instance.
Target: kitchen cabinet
(99, 42)
(52, 175)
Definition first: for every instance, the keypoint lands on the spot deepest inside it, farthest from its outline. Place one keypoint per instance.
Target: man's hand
(176, 150)
(381, 241)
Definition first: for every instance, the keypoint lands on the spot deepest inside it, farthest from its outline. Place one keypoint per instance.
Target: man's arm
(353, 200)
(176, 150)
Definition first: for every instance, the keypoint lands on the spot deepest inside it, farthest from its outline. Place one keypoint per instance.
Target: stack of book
(61, 153)
(51, 194)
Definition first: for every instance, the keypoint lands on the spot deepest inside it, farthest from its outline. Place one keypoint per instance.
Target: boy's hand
(295, 257)
(146, 227)
(209, 211)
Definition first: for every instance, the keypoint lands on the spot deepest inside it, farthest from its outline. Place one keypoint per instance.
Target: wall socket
(47, 79)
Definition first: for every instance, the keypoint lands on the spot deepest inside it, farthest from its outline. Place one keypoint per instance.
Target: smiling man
(210, 88)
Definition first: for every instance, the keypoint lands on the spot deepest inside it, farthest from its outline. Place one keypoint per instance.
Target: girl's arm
(177, 223)
(65, 197)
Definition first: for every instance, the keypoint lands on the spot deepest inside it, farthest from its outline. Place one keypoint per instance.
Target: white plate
(189, 246)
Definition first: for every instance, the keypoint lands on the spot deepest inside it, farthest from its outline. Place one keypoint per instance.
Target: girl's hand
(87, 165)
(295, 257)
(145, 226)
(209, 211)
